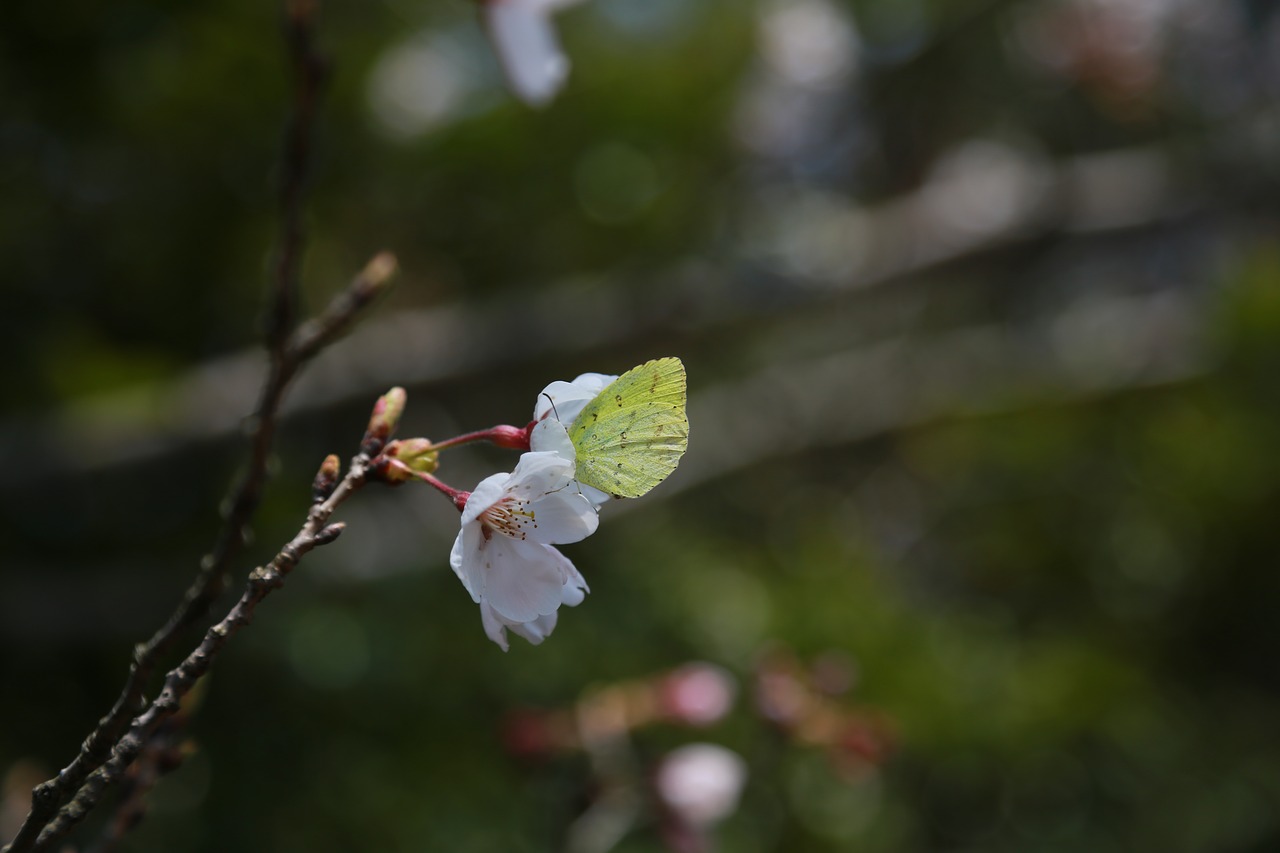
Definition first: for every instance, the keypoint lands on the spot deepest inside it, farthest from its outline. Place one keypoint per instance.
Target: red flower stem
(458, 496)
(504, 436)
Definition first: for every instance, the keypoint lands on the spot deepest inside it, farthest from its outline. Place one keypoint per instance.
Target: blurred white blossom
(702, 782)
(809, 43)
(527, 45)
(418, 86)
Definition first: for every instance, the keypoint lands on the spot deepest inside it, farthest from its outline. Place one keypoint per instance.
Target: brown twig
(301, 346)
(162, 753)
(262, 582)
(289, 349)
(310, 71)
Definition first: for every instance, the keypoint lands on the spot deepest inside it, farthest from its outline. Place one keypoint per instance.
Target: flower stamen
(509, 516)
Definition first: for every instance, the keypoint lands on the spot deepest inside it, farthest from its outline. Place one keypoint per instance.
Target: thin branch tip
(330, 533)
(377, 274)
(382, 266)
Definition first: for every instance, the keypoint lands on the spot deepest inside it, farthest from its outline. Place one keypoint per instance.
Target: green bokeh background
(1033, 505)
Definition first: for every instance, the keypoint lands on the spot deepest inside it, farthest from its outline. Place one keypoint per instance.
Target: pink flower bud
(384, 420)
(405, 457)
(326, 478)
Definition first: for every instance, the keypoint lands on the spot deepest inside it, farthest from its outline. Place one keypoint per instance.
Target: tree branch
(163, 753)
(289, 349)
(262, 582)
(209, 582)
(905, 240)
(310, 71)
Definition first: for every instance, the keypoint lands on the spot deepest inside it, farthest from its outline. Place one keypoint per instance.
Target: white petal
(594, 382)
(523, 580)
(536, 630)
(494, 627)
(550, 435)
(575, 589)
(488, 492)
(571, 594)
(538, 474)
(594, 495)
(557, 397)
(566, 399)
(464, 558)
(527, 45)
(560, 518)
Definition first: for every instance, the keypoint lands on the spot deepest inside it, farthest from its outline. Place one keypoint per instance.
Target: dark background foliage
(980, 304)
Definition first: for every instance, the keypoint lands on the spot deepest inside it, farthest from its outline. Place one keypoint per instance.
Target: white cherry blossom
(527, 45)
(504, 556)
(557, 406)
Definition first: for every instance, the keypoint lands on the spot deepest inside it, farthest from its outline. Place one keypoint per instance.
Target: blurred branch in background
(1103, 345)
(841, 250)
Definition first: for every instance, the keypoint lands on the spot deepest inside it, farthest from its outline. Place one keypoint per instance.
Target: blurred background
(974, 547)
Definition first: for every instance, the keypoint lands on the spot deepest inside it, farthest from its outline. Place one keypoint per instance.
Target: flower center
(510, 517)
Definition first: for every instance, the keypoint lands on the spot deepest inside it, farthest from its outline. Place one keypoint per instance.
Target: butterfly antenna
(553, 405)
(576, 485)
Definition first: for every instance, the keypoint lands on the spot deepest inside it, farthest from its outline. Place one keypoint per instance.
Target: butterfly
(634, 432)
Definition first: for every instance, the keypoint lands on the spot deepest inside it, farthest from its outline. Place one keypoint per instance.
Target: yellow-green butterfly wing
(632, 435)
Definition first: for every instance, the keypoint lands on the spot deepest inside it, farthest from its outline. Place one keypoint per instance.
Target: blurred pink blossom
(697, 694)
